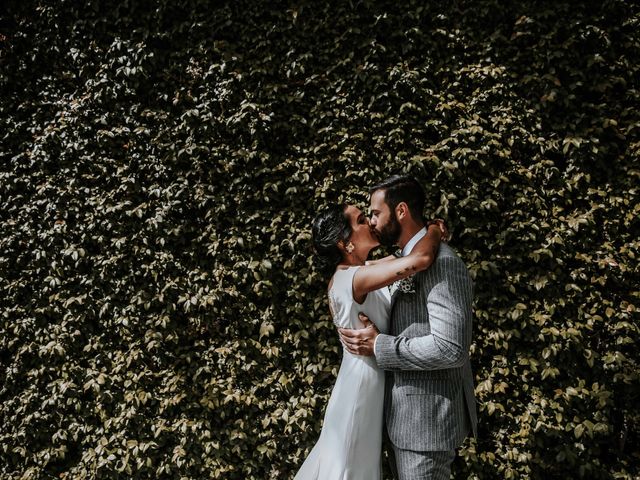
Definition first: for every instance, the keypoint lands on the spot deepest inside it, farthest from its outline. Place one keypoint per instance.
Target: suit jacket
(429, 393)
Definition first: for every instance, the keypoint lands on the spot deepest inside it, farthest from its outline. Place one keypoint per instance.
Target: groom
(429, 398)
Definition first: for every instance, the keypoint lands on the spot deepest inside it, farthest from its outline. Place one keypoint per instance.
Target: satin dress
(350, 443)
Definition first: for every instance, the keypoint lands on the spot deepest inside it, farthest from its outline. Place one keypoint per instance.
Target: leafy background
(162, 161)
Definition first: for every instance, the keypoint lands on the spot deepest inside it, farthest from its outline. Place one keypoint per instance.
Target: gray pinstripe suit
(429, 397)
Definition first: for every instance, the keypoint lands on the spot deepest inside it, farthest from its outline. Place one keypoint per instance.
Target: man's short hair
(403, 188)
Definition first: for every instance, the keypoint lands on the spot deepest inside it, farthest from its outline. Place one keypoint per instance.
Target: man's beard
(390, 233)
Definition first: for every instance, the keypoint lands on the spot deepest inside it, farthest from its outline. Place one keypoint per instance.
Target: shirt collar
(412, 243)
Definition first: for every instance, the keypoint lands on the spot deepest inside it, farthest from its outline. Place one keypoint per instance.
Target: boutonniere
(406, 285)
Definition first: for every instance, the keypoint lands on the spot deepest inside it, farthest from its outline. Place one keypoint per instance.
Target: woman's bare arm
(372, 277)
(380, 260)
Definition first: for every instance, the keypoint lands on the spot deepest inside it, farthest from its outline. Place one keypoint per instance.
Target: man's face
(384, 222)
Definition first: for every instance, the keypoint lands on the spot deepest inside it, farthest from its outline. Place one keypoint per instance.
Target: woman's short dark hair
(403, 188)
(329, 227)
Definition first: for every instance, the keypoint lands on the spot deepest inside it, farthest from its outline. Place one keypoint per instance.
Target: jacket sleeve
(449, 308)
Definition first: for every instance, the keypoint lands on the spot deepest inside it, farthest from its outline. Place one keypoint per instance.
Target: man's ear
(402, 211)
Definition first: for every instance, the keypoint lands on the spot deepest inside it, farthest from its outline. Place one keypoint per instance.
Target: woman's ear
(348, 248)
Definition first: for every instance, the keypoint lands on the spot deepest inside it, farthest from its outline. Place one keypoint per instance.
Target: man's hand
(360, 342)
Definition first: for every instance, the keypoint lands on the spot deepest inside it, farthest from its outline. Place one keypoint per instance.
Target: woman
(350, 444)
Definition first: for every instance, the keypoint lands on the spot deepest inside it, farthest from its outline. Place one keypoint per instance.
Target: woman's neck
(354, 259)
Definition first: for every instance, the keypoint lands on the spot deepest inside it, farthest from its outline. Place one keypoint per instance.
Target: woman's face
(362, 236)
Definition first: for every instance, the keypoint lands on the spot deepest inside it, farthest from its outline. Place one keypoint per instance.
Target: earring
(349, 247)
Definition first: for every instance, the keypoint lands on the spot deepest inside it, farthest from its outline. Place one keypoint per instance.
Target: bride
(350, 443)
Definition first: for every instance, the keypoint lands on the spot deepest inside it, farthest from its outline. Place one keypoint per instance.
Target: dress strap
(343, 281)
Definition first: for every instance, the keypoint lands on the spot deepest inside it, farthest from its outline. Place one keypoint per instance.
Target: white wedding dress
(350, 444)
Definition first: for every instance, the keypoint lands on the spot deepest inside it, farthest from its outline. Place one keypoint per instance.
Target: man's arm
(450, 318)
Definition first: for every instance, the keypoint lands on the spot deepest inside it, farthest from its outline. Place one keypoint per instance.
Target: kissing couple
(405, 325)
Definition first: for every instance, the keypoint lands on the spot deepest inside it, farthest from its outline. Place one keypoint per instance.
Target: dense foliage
(160, 165)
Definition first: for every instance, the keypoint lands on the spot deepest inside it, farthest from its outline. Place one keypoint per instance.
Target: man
(429, 394)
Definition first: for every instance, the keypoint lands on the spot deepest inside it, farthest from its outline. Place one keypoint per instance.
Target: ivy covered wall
(159, 168)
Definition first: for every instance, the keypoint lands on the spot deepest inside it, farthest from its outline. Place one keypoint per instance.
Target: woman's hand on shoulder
(390, 269)
(444, 229)
(426, 249)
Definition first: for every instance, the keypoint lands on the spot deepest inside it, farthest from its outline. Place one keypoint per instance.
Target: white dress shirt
(412, 243)
(406, 251)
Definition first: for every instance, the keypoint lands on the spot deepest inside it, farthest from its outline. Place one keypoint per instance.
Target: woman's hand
(445, 234)
(386, 271)
(427, 247)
